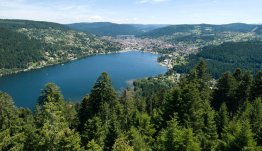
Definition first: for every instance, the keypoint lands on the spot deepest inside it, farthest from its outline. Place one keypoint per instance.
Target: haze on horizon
(135, 11)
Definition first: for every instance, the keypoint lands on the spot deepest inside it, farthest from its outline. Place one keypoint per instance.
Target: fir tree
(101, 93)
(257, 86)
(176, 138)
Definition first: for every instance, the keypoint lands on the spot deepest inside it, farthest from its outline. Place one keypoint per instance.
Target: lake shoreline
(76, 78)
(58, 63)
(74, 59)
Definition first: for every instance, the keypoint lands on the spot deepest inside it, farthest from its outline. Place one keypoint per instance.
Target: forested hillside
(204, 29)
(113, 29)
(191, 114)
(227, 57)
(106, 29)
(17, 50)
(201, 35)
(42, 43)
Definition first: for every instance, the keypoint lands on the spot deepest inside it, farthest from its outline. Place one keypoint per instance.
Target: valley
(130, 75)
(57, 43)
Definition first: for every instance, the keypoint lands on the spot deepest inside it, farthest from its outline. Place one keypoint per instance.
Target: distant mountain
(113, 29)
(28, 45)
(203, 29)
(148, 27)
(16, 24)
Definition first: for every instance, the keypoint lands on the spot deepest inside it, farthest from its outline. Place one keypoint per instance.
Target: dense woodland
(227, 57)
(192, 114)
(32, 44)
(106, 29)
(17, 50)
(113, 29)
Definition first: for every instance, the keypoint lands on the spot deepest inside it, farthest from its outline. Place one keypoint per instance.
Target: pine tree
(208, 137)
(173, 104)
(102, 92)
(53, 128)
(137, 140)
(129, 109)
(93, 146)
(202, 79)
(222, 119)
(12, 133)
(51, 93)
(121, 144)
(83, 113)
(238, 136)
(95, 130)
(238, 74)
(256, 120)
(71, 115)
(257, 86)
(191, 109)
(225, 92)
(176, 138)
(243, 90)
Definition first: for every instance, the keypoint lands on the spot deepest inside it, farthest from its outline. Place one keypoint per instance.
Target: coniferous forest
(193, 114)
(227, 57)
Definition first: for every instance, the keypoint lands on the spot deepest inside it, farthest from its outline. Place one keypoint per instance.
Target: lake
(78, 77)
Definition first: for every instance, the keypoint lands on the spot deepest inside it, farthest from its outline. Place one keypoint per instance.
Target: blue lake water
(78, 77)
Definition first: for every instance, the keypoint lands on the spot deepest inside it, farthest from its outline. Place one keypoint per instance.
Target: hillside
(204, 29)
(204, 34)
(12, 49)
(51, 43)
(113, 29)
(106, 29)
(227, 57)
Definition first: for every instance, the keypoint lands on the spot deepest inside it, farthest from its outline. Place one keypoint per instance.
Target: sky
(135, 11)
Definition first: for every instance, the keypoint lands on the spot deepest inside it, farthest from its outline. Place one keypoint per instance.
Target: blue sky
(135, 11)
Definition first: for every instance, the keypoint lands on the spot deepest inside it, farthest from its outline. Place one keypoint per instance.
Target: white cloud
(151, 1)
(54, 12)
(11, 1)
(135, 19)
(96, 18)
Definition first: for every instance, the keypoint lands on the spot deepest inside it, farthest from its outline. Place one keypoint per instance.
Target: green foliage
(176, 138)
(94, 130)
(138, 141)
(121, 144)
(256, 120)
(257, 85)
(51, 93)
(18, 50)
(92, 146)
(225, 91)
(106, 29)
(243, 91)
(26, 45)
(53, 132)
(227, 57)
(12, 132)
(206, 30)
(238, 136)
(178, 117)
(222, 119)
(102, 92)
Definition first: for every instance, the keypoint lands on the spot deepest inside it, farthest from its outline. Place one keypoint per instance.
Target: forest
(17, 50)
(193, 114)
(227, 57)
(32, 44)
(204, 29)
